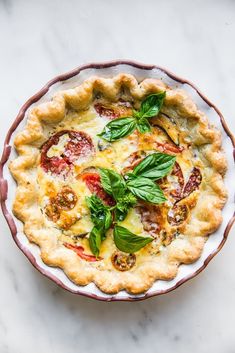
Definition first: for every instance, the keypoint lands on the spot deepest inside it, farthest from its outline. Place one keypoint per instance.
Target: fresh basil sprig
(143, 126)
(115, 185)
(155, 166)
(100, 214)
(127, 241)
(151, 105)
(95, 239)
(118, 128)
(121, 127)
(145, 189)
(126, 190)
(123, 205)
(102, 218)
(112, 182)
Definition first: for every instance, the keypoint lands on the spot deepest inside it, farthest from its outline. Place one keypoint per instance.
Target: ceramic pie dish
(122, 174)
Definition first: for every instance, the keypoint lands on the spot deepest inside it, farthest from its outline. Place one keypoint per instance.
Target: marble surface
(40, 39)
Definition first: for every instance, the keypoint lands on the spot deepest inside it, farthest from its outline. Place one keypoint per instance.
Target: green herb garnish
(125, 190)
(118, 128)
(127, 241)
(102, 218)
(145, 189)
(122, 127)
(155, 166)
(115, 185)
(123, 205)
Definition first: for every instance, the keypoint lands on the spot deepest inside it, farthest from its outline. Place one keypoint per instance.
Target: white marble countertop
(40, 39)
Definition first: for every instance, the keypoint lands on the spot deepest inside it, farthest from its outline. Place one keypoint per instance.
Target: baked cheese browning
(158, 140)
(68, 172)
(65, 200)
(52, 211)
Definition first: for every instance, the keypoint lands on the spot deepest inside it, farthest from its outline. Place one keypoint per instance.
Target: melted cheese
(57, 150)
(133, 223)
(110, 155)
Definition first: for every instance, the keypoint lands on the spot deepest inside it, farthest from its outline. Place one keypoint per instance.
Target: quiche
(120, 181)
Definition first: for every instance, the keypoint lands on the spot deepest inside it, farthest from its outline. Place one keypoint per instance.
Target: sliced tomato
(193, 183)
(66, 199)
(79, 145)
(113, 111)
(178, 187)
(52, 210)
(79, 250)
(55, 165)
(168, 148)
(177, 214)
(105, 111)
(93, 183)
(123, 262)
(151, 218)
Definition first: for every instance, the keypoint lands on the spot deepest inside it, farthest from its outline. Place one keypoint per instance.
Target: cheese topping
(76, 224)
(57, 150)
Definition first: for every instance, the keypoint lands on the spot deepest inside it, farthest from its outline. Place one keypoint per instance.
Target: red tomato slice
(106, 112)
(151, 218)
(79, 145)
(177, 214)
(93, 183)
(176, 193)
(79, 250)
(168, 147)
(121, 109)
(193, 183)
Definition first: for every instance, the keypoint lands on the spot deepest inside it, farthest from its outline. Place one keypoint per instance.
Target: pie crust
(205, 203)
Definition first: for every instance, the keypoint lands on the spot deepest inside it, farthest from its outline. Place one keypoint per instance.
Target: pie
(119, 181)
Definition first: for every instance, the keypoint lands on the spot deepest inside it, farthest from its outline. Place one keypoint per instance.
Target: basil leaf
(155, 166)
(102, 219)
(108, 219)
(143, 125)
(120, 213)
(123, 205)
(146, 189)
(127, 241)
(118, 128)
(100, 214)
(112, 182)
(95, 239)
(152, 104)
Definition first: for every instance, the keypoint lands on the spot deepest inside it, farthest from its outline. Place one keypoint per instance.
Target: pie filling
(69, 173)
(119, 181)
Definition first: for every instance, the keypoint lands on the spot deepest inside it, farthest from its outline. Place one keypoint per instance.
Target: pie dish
(169, 166)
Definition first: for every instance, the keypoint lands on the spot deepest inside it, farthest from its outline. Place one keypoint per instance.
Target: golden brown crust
(205, 216)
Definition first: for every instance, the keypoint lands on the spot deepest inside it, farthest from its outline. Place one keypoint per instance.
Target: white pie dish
(71, 80)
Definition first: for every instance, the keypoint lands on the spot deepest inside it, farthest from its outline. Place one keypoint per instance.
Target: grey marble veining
(40, 39)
